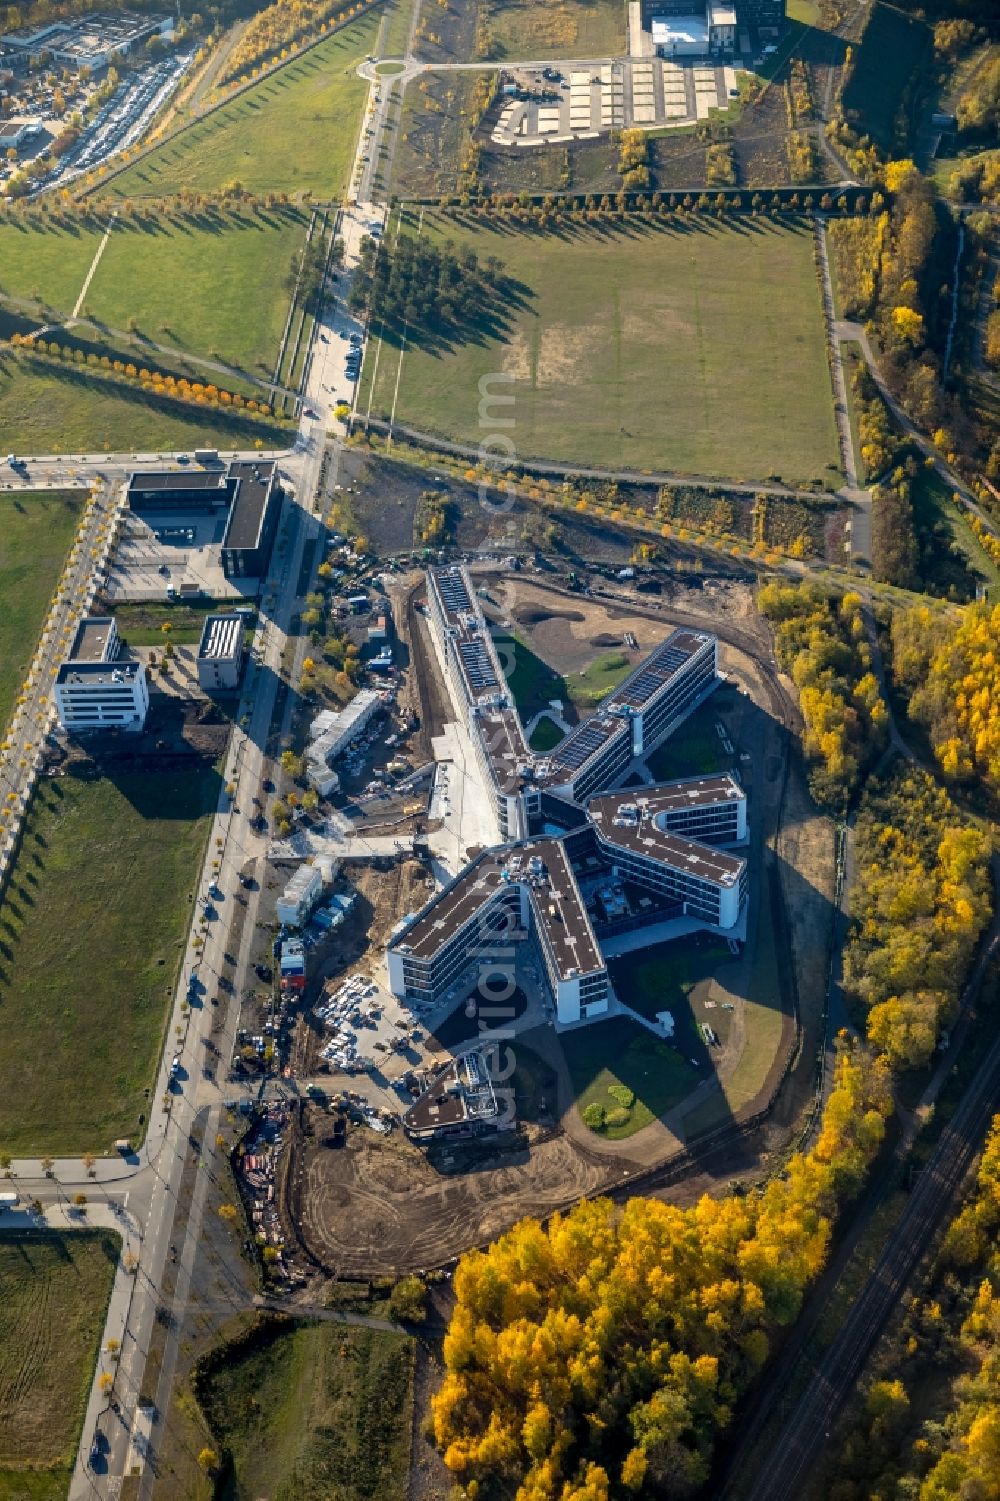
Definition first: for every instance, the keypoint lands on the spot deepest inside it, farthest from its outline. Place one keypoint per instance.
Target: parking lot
(173, 561)
(546, 106)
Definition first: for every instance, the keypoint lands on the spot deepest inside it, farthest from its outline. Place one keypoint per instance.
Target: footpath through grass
(46, 262)
(55, 1295)
(698, 348)
(36, 529)
(215, 289)
(57, 408)
(294, 132)
(314, 1411)
(92, 931)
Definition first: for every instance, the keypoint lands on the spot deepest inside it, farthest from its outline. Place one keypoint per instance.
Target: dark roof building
(247, 490)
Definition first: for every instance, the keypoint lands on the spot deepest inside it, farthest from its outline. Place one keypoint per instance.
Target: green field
(36, 530)
(622, 1053)
(315, 1411)
(294, 132)
(700, 351)
(85, 984)
(47, 264)
(56, 408)
(55, 1295)
(573, 28)
(587, 688)
(216, 291)
(887, 61)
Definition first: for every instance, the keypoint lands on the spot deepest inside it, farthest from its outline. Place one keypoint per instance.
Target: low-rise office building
(220, 653)
(247, 492)
(96, 691)
(101, 696)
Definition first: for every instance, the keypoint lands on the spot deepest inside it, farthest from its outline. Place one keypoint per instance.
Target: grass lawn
(693, 750)
(587, 688)
(663, 978)
(55, 1294)
(650, 347)
(194, 287)
(532, 683)
(545, 736)
(142, 624)
(36, 530)
(620, 1053)
(47, 264)
(294, 132)
(50, 408)
(892, 48)
(573, 28)
(315, 1411)
(85, 985)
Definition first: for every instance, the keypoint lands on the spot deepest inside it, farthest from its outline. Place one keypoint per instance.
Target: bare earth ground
(380, 1203)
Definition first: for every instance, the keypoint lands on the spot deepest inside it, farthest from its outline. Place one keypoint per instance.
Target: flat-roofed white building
(102, 696)
(680, 36)
(220, 653)
(93, 689)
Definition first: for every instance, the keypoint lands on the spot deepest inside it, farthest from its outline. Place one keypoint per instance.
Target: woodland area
(601, 1355)
(822, 645)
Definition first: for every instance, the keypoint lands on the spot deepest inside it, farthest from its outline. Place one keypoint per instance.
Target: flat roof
(643, 836)
(256, 478)
(193, 480)
(98, 674)
(669, 797)
(663, 663)
(221, 638)
(461, 1091)
(453, 906)
(560, 910)
(540, 864)
(92, 636)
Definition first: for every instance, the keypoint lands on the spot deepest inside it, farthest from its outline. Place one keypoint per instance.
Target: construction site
(361, 1191)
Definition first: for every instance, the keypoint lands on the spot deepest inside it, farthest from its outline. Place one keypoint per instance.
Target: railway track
(791, 1457)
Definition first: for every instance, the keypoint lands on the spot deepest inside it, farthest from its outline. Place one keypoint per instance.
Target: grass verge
(85, 984)
(36, 530)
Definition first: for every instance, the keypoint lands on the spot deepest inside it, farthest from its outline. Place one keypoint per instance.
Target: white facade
(300, 896)
(333, 732)
(102, 696)
(220, 654)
